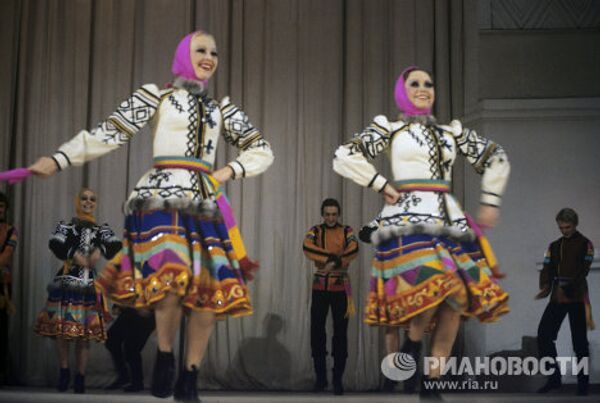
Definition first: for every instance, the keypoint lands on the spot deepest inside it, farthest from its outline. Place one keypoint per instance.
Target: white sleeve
(488, 158)
(352, 158)
(255, 154)
(130, 117)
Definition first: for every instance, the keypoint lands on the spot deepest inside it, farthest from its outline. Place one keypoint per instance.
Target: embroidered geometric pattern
(476, 149)
(210, 106)
(192, 126)
(372, 141)
(409, 218)
(175, 104)
(238, 131)
(130, 117)
(145, 192)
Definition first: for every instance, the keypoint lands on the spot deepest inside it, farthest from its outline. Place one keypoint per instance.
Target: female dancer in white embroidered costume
(182, 251)
(432, 263)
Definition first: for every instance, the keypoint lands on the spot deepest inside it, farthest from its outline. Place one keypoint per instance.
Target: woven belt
(190, 163)
(426, 185)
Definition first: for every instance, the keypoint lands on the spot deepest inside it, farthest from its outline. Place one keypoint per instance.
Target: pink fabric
(159, 259)
(390, 286)
(182, 64)
(15, 175)
(402, 101)
(225, 208)
(474, 226)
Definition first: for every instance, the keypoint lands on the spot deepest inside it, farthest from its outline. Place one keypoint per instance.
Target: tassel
(589, 320)
(351, 308)
(247, 266)
(380, 289)
(485, 247)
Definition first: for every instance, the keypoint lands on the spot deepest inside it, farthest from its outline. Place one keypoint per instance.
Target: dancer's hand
(390, 195)
(543, 293)
(487, 216)
(223, 175)
(44, 167)
(80, 260)
(94, 257)
(329, 266)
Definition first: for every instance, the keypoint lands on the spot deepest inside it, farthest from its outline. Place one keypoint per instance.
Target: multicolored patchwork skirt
(74, 310)
(170, 251)
(414, 273)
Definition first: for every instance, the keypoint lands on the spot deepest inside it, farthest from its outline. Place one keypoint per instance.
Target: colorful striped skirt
(74, 310)
(170, 251)
(414, 273)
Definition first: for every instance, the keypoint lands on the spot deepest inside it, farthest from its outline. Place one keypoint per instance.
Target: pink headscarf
(402, 101)
(182, 64)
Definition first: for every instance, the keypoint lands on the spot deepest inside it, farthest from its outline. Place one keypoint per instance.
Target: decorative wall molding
(530, 109)
(539, 14)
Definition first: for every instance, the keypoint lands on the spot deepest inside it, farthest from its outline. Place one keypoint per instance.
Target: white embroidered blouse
(422, 152)
(185, 124)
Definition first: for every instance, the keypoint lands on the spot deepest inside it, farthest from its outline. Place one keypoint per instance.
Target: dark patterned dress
(75, 309)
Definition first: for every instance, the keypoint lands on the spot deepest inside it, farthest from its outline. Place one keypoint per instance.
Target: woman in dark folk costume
(75, 310)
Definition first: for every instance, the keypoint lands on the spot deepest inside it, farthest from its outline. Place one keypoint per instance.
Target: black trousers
(4, 322)
(3, 344)
(126, 339)
(550, 325)
(321, 302)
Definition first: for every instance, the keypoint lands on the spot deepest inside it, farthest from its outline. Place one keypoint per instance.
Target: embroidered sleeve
(488, 158)
(352, 159)
(547, 274)
(255, 154)
(8, 249)
(61, 243)
(109, 243)
(311, 247)
(350, 247)
(130, 117)
(588, 257)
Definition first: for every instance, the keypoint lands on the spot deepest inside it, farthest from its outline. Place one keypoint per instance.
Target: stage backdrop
(309, 73)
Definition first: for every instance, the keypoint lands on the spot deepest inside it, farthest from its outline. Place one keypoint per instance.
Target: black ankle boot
(63, 379)
(79, 383)
(119, 364)
(339, 365)
(137, 376)
(412, 348)
(430, 391)
(389, 385)
(583, 382)
(117, 383)
(186, 389)
(163, 375)
(320, 364)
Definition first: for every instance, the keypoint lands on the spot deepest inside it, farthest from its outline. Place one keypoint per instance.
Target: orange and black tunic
(323, 244)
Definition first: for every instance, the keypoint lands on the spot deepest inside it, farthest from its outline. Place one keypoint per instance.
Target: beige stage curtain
(309, 73)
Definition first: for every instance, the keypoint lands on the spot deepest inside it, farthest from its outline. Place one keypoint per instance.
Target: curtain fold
(309, 74)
